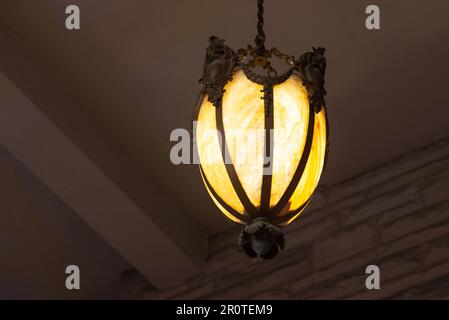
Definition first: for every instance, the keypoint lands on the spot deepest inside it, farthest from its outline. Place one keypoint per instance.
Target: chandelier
(261, 136)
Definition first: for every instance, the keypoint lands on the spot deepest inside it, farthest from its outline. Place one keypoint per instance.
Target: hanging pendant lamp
(261, 136)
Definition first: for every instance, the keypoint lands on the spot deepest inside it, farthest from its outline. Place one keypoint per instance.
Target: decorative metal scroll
(221, 61)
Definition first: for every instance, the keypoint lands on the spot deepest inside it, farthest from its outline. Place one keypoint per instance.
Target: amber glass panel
(244, 123)
(291, 116)
(210, 157)
(314, 167)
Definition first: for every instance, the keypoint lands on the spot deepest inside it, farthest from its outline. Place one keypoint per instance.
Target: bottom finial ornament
(261, 239)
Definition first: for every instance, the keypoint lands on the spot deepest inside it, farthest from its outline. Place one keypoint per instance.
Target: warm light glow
(226, 212)
(210, 156)
(243, 121)
(314, 167)
(291, 116)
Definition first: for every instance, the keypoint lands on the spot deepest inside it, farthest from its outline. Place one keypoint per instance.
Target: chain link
(260, 38)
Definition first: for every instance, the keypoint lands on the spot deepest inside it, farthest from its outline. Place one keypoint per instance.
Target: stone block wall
(395, 217)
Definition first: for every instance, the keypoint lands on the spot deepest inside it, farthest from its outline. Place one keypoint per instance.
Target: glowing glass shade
(209, 153)
(291, 114)
(243, 123)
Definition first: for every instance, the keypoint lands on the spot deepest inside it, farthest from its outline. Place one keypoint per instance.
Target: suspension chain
(260, 38)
